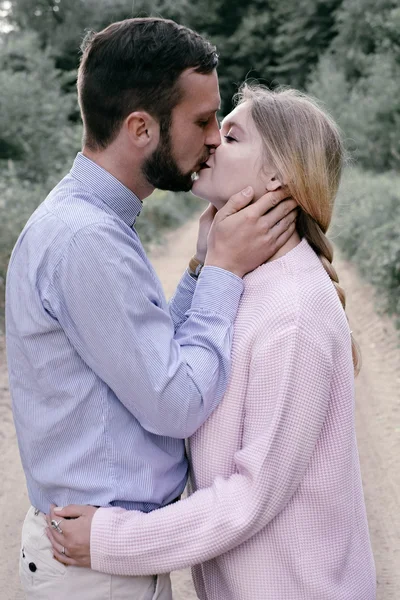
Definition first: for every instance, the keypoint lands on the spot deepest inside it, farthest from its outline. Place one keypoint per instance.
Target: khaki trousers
(44, 578)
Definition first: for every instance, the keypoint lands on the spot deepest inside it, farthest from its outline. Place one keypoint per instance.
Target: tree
(35, 132)
(306, 29)
(365, 28)
(359, 80)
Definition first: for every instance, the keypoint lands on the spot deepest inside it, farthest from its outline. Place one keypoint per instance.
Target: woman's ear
(273, 184)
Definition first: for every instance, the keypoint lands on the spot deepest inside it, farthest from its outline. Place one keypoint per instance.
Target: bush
(367, 111)
(36, 135)
(164, 210)
(367, 230)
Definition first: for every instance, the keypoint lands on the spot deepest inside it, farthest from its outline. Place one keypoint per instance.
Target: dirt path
(378, 424)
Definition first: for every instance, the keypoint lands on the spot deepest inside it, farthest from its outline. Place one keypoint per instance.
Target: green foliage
(368, 110)
(164, 210)
(305, 31)
(273, 40)
(36, 137)
(359, 80)
(365, 28)
(346, 52)
(367, 229)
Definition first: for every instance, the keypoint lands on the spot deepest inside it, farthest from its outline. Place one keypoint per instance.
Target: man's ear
(143, 129)
(273, 183)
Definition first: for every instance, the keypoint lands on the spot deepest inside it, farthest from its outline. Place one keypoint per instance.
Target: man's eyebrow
(208, 113)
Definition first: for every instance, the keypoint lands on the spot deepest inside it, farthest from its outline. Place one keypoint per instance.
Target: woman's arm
(286, 404)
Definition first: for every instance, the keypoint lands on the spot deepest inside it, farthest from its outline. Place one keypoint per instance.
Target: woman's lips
(203, 167)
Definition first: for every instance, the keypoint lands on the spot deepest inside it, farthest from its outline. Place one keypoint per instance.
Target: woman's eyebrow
(229, 124)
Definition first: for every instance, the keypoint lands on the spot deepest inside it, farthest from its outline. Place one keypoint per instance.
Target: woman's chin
(201, 190)
(204, 190)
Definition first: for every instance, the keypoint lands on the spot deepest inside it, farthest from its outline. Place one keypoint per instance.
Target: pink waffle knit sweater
(277, 511)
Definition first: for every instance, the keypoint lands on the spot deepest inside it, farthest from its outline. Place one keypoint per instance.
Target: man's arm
(181, 301)
(109, 307)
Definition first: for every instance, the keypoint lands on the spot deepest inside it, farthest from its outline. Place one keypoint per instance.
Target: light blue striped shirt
(106, 378)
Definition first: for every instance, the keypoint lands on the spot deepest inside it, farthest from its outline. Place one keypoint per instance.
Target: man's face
(193, 134)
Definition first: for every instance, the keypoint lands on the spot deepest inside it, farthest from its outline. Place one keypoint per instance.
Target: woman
(279, 510)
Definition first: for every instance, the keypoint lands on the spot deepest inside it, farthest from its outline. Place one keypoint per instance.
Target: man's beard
(161, 170)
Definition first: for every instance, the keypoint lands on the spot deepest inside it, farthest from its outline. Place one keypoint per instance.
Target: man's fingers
(283, 214)
(275, 229)
(209, 213)
(285, 235)
(272, 200)
(276, 206)
(282, 226)
(236, 203)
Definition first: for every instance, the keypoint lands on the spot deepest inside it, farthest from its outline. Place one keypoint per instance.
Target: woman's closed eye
(230, 139)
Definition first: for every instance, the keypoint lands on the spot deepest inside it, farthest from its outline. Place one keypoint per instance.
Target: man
(107, 379)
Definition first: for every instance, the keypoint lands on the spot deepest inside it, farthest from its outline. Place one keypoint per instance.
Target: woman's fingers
(72, 511)
(59, 543)
(64, 559)
(55, 537)
(58, 548)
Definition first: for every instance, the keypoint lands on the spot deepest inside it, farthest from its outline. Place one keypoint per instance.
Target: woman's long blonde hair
(304, 144)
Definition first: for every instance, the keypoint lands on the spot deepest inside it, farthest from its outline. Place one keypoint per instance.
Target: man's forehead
(200, 90)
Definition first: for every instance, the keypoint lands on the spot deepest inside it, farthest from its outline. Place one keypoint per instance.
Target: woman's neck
(292, 242)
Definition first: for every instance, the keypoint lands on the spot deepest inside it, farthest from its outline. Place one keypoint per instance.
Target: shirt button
(32, 567)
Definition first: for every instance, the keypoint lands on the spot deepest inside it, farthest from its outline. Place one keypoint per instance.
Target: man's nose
(213, 139)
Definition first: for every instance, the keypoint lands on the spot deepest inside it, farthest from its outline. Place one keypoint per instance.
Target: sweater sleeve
(286, 404)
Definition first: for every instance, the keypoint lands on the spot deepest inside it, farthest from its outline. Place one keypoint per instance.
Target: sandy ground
(378, 425)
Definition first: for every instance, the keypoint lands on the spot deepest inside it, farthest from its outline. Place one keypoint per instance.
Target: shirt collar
(110, 190)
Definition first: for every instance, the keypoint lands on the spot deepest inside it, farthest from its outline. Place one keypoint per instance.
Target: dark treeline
(345, 52)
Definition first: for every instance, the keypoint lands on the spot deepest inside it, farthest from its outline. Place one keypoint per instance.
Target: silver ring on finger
(63, 551)
(56, 525)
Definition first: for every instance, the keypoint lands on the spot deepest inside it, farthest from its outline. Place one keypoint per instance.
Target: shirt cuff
(217, 291)
(181, 301)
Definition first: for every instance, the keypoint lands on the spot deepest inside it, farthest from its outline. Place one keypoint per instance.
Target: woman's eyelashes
(229, 138)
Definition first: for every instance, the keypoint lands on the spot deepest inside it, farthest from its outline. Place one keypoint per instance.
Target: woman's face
(236, 163)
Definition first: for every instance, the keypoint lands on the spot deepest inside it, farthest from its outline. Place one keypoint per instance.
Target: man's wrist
(230, 268)
(195, 267)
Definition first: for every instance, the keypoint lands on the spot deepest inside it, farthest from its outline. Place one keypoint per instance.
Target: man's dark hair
(135, 65)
